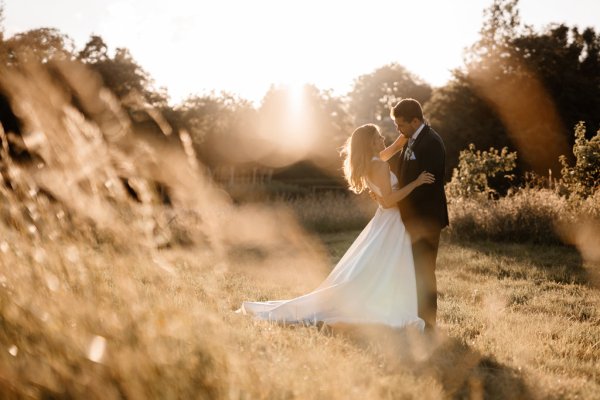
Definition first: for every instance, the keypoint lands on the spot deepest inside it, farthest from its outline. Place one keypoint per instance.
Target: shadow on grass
(560, 264)
(462, 372)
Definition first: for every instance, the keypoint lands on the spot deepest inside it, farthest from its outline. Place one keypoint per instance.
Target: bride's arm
(391, 198)
(392, 149)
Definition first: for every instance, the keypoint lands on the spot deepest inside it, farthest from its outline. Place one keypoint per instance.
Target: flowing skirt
(373, 283)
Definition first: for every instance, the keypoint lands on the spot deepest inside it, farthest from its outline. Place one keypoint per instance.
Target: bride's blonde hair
(358, 152)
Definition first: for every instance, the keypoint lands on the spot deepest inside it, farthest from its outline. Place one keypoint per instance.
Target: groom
(424, 211)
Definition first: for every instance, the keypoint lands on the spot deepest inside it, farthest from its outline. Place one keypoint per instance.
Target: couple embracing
(387, 276)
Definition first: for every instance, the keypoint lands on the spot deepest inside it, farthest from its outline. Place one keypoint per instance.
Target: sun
(295, 91)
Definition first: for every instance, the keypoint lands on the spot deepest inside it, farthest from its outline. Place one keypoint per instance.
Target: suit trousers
(425, 251)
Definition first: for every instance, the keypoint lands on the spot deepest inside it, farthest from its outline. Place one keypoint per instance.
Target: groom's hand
(376, 198)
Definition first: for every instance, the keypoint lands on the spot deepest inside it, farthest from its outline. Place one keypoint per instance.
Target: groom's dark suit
(424, 211)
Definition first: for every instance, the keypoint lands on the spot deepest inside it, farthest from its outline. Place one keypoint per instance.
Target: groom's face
(407, 128)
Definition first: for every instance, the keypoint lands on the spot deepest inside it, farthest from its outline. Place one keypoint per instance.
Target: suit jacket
(425, 209)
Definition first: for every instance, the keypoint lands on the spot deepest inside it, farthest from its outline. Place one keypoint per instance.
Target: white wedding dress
(373, 283)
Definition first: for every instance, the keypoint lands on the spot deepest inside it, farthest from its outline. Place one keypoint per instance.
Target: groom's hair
(407, 109)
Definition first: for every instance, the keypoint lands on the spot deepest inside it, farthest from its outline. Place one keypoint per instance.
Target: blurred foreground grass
(516, 321)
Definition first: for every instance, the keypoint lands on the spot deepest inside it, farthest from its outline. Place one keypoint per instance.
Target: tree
(462, 118)
(308, 124)
(374, 94)
(221, 127)
(501, 25)
(459, 110)
(520, 88)
(122, 75)
(567, 62)
(41, 45)
(94, 52)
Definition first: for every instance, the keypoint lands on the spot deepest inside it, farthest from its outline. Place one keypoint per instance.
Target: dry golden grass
(332, 212)
(104, 297)
(516, 321)
(529, 215)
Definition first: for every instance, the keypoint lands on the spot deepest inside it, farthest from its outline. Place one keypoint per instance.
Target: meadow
(107, 292)
(517, 321)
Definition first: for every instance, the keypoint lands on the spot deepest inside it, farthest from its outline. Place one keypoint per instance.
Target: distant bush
(529, 215)
(539, 211)
(476, 169)
(583, 178)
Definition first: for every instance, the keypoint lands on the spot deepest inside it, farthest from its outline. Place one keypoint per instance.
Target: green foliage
(460, 116)
(475, 168)
(41, 45)
(94, 51)
(374, 93)
(500, 25)
(527, 215)
(216, 122)
(323, 115)
(530, 214)
(122, 75)
(567, 61)
(583, 178)
(564, 60)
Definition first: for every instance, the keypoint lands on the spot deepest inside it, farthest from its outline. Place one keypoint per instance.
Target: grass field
(516, 321)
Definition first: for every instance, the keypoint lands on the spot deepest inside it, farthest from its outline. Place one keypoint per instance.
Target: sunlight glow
(300, 135)
(287, 132)
(296, 97)
(243, 47)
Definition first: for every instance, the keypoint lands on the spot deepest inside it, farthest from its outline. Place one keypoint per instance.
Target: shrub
(583, 178)
(476, 168)
(529, 215)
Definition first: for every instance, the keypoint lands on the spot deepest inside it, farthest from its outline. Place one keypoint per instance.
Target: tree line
(518, 87)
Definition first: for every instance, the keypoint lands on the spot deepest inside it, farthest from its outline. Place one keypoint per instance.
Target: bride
(374, 282)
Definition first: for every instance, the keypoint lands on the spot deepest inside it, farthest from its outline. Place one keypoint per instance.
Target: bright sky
(242, 46)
